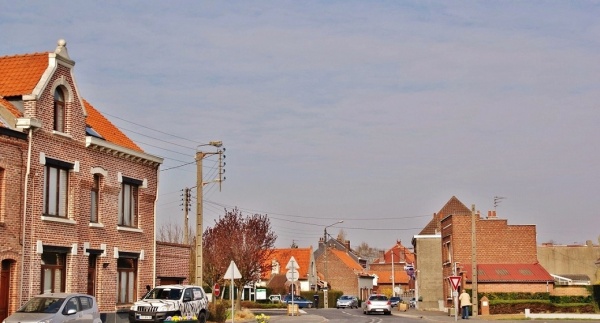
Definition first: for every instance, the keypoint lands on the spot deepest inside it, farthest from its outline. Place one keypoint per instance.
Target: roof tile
(21, 73)
(106, 129)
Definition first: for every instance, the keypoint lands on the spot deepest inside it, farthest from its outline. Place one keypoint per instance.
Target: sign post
(455, 282)
(217, 290)
(292, 275)
(234, 273)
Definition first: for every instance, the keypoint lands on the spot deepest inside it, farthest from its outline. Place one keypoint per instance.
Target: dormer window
(59, 110)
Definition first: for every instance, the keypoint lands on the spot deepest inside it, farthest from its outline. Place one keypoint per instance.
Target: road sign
(292, 275)
(232, 272)
(455, 281)
(292, 264)
(217, 290)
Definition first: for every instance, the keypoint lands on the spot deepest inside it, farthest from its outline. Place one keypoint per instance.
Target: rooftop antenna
(497, 200)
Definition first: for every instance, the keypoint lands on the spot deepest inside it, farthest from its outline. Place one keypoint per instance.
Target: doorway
(4, 288)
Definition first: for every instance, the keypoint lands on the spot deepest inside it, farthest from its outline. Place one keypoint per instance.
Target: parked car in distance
(170, 300)
(57, 308)
(275, 298)
(301, 301)
(395, 300)
(347, 301)
(377, 303)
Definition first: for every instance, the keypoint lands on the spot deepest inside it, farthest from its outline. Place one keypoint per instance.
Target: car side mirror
(187, 299)
(71, 311)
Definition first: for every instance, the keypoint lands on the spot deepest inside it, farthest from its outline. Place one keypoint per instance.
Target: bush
(217, 312)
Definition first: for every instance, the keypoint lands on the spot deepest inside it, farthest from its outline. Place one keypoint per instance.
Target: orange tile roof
(282, 256)
(106, 129)
(401, 254)
(348, 261)
(385, 276)
(21, 73)
(509, 273)
(11, 108)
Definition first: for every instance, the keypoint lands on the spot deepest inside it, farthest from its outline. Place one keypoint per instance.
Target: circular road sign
(217, 290)
(292, 275)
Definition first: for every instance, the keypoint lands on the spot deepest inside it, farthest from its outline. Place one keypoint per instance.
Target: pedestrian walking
(465, 302)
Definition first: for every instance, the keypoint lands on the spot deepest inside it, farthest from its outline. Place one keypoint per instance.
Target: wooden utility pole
(474, 260)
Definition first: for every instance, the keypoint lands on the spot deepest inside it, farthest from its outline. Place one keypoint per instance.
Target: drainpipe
(27, 173)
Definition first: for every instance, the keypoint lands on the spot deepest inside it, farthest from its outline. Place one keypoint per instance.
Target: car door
(71, 312)
(88, 309)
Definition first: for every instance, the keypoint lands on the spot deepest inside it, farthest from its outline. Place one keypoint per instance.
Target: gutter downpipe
(27, 174)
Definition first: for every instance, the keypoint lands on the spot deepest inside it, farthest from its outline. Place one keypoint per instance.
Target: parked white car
(170, 300)
(57, 308)
(377, 303)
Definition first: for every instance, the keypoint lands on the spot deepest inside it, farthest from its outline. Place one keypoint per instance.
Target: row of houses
(77, 214)
(505, 256)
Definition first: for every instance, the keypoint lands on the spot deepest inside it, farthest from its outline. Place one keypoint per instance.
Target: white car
(347, 301)
(57, 308)
(377, 303)
(170, 300)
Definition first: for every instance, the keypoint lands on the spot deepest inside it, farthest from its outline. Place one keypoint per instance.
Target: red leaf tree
(247, 240)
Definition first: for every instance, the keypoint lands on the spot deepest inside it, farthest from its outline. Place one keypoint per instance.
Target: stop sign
(217, 290)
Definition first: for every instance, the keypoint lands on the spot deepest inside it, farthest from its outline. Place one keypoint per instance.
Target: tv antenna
(497, 200)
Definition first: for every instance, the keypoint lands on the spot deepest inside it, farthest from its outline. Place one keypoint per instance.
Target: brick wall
(13, 149)
(172, 260)
(570, 291)
(76, 229)
(339, 276)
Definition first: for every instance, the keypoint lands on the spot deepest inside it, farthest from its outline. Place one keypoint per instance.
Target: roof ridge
(25, 55)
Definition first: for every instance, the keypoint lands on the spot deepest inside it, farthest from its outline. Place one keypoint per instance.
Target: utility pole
(474, 261)
(186, 208)
(199, 201)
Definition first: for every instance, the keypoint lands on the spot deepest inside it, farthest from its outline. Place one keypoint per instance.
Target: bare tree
(170, 232)
(247, 240)
(366, 252)
(341, 236)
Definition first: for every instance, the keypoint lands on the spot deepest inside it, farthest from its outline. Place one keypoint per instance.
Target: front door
(91, 287)
(4, 289)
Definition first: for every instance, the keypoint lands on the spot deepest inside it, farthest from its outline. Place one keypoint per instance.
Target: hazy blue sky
(374, 112)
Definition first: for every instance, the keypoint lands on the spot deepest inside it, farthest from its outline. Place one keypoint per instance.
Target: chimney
(347, 245)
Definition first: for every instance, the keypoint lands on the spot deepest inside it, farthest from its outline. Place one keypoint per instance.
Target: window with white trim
(126, 277)
(56, 181)
(59, 110)
(95, 198)
(128, 202)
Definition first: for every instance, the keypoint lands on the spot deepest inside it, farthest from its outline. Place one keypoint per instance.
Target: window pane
(47, 280)
(121, 207)
(126, 204)
(62, 208)
(52, 191)
(93, 208)
(58, 281)
(130, 285)
(122, 286)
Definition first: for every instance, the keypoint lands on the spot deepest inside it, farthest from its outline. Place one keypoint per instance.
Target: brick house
(340, 271)
(392, 263)
(276, 280)
(506, 255)
(77, 196)
(172, 263)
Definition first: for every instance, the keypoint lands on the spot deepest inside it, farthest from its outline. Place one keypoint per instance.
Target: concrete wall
(428, 254)
(571, 259)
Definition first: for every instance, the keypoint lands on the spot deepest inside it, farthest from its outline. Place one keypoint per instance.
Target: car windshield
(378, 298)
(395, 298)
(164, 293)
(344, 297)
(42, 305)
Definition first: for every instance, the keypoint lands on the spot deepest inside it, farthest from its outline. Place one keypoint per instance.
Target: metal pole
(393, 278)
(199, 225)
(474, 261)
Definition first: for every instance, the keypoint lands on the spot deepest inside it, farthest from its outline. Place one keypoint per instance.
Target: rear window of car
(378, 298)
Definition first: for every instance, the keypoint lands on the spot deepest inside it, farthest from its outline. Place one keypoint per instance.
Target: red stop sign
(217, 290)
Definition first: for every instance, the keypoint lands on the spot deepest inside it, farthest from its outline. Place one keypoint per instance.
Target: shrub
(217, 312)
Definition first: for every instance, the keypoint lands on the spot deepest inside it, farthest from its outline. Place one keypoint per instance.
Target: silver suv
(58, 308)
(170, 300)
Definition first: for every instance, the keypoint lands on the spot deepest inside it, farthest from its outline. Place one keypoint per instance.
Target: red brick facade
(92, 249)
(172, 263)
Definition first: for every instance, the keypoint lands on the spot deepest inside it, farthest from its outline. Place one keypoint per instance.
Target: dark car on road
(299, 300)
(395, 300)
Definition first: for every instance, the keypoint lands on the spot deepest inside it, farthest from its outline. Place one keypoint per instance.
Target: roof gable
(19, 74)
(283, 256)
(347, 260)
(454, 206)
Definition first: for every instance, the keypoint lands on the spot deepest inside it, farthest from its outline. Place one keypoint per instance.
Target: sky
(371, 112)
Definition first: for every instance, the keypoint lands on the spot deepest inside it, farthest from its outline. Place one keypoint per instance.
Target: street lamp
(325, 297)
(325, 244)
(199, 205)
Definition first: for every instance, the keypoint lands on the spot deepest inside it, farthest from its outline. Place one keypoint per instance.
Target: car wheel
(202, 317)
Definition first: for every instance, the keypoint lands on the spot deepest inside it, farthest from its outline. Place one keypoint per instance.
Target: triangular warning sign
(455, 281)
